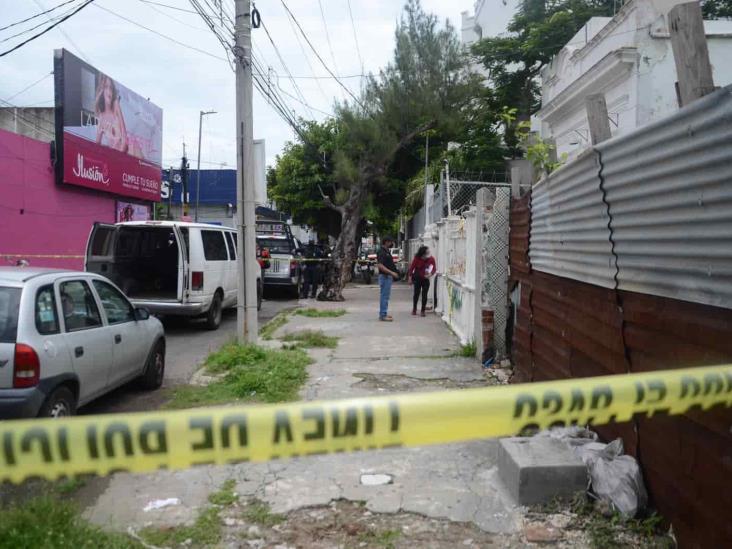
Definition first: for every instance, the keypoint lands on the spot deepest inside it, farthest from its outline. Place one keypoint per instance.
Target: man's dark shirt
(384, 258)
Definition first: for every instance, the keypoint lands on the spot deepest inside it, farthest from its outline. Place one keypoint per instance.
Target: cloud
(183, 82)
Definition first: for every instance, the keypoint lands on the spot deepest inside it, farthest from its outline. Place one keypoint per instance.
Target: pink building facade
(40, 221)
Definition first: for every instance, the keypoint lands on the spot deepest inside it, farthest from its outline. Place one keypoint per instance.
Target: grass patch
(226, 495)
(385, 538)
(320, 313)
(260, 513)
(311, 338)
(280, 319)
(468, 350)
(47, 522)
(249, 373)
(70, 485)
(205, 531)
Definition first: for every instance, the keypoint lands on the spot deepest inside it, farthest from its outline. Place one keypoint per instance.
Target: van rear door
(100, 248)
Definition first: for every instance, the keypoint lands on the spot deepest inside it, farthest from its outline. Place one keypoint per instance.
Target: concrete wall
(36, 123)
(489, 18)
(45, 223)
(628, 59)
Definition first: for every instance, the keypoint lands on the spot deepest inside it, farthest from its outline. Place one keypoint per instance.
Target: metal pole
(246, 317)
(198, 170)
(447, 187)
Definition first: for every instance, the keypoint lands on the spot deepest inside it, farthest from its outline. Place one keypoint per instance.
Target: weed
(468, 350)
(47, 522)
(226, 495)
(70, 485)
(205, 531)
(320, 313)
(259, 512)
(384, 538)
(280, 319)
(311, 338)
(249, 373)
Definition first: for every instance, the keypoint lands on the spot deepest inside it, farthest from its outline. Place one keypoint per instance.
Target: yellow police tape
(180, 439)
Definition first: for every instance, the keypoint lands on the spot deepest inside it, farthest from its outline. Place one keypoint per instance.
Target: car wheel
(60, 403)
(367, 277)
(152, 377)
(213, 317)
(259, 295)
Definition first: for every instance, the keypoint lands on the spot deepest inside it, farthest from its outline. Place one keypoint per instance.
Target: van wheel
(152, 377)
(213, 317)
(60, 403)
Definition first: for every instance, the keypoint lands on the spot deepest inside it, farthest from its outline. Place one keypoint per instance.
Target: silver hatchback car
(67, 337)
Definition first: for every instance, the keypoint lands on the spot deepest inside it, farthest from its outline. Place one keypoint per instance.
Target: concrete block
(537, 470)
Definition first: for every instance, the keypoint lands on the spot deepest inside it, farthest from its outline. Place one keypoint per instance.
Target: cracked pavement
(457, 482)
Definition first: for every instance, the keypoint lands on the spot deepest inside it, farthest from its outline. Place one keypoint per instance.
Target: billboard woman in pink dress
(111, 130)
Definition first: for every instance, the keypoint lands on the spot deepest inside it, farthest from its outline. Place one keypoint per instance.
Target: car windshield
(9, 304)
(275, 245)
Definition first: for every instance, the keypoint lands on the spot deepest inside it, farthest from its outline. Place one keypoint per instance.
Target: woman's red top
(420, 267)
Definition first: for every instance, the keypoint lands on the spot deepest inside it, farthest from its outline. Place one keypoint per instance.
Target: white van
(170, 267)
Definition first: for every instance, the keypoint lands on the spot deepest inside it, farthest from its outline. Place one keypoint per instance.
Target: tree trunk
(344, 253)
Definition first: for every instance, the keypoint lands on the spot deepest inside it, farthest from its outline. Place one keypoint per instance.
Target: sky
(183, 81)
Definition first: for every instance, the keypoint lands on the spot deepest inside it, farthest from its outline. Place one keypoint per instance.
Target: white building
(490, 18)
(628, 58)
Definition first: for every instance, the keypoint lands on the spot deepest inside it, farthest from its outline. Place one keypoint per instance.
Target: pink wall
(39, 217)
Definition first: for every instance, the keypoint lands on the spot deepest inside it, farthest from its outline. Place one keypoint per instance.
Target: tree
(371, 147)
(717, 9)
(537, 32)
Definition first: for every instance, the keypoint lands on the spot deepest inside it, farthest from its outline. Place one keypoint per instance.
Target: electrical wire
(63, 33)
(47, 29)
(327, 36)
(29, 86)
(355, 36)
(39, 25)
(151, 5)
(305, 36)
(36, 15)
(160, 34)
(168, 6)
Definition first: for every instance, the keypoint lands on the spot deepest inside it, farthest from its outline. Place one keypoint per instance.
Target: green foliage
(225, 495)
(204, 532)
(717, 9)
(320, 313)
(47, 522)
(385, 539)
(468, 350)
(311, 338)
(259, 512)
(539, 29)
(279, 320)
(70, 485)
(249, 373)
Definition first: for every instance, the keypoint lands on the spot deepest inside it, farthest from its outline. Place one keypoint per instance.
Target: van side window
(214, 246)
(46, 312)
(232, 247)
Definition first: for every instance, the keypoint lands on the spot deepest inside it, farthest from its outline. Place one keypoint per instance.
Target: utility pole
(246, 307)
(184, 183)
(447, 187)
(198, 171)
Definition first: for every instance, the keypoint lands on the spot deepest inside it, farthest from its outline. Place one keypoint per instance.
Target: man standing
(311, 270)
(387, 274)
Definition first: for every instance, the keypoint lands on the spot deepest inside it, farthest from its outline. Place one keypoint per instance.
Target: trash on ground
(161, 503)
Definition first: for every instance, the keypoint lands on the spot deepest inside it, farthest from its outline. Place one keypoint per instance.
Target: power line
(26, 31)
(160, 34)
(355, 36)
(168, 6)
(152, 5)
(29, 86)
(63, 32)
(51, 27)
(36, 15)
(304, 104)
(327, 35)
(318, 55)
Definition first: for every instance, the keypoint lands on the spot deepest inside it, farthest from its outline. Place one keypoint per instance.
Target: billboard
(108, 138)
(129, 211)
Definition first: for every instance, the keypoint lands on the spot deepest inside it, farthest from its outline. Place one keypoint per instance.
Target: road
(188, 344)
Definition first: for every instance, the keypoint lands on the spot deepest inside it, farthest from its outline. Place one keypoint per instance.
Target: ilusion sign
(108, 137)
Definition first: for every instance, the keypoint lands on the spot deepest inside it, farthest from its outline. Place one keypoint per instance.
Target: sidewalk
(457, 482)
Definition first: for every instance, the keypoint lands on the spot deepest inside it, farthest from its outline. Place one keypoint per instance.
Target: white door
(231, 272)
(88, 340)
(129, 340)
(216, 260)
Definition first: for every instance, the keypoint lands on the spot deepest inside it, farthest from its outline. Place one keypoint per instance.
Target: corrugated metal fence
(650, 211)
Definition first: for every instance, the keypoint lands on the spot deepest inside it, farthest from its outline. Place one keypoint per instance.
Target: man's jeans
(384, 293)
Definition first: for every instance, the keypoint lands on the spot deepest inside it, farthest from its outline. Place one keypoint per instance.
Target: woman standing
(423, 268)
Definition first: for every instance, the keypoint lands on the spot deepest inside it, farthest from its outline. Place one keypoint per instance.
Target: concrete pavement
(457, 482)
